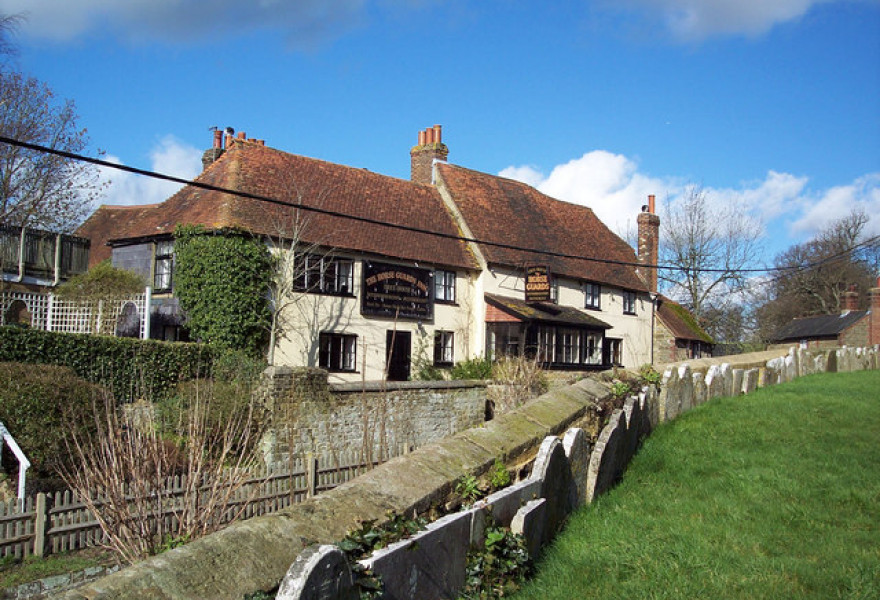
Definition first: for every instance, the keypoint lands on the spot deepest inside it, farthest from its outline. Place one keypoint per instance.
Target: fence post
(41, 526)
(311, 474)
(50, 307)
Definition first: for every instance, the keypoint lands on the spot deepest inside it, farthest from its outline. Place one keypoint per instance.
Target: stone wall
(254, 555)
(311, 416)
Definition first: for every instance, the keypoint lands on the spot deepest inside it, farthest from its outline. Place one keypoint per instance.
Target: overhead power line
(361, 219)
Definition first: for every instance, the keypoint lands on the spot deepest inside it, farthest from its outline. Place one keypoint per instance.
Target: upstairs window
(444, 286)
(629, 303)
(593, 296)
(323, 275)
(443, 348)
(164, 266)
(338, 352)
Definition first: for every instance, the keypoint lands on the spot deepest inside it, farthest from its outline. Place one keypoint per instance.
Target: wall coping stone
(395, 386)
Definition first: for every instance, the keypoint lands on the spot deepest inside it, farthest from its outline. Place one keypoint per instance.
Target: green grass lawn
(773, 495)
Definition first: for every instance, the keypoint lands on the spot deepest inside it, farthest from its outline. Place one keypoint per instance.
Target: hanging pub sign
(397, 292)
(537, 283)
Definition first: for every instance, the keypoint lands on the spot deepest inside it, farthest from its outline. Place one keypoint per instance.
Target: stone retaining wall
(309, 415)
(255, 555)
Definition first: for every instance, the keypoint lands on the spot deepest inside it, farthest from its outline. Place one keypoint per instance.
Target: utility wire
(361, 219)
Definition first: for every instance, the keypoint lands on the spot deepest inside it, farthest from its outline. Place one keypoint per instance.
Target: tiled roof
(545, 312)
(106, 222)
(680, 321)
(504, 211)
(256, 169)
(822, 326)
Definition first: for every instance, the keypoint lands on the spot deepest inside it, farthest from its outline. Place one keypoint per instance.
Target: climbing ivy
(221, 279)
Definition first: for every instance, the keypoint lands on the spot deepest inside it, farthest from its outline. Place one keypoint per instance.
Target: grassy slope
(774, 495)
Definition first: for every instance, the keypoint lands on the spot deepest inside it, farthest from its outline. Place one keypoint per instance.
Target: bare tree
(708, 247)
(39, 189)
(817, 273)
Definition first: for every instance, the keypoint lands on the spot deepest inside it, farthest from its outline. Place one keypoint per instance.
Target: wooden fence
(59, 522)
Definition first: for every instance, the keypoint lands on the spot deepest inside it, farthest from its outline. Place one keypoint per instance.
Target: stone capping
(393, 386)
(255, 554)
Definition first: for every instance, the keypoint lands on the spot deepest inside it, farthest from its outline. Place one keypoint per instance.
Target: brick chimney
(214, 152)
(649, 243)
(874, 323)
(849, 300)
(423, 155)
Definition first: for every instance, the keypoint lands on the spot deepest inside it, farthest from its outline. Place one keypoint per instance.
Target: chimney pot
(422, 137)
(218, 139)
(437, 134)
(242, 135)
(651, 203)
(429, 136)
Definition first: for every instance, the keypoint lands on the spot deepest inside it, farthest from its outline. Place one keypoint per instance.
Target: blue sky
(773, 106)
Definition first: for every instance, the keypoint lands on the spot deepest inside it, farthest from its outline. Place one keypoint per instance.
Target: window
(338, 352)
(568, 346)
(444, 286)
(554, 291)
(629, 303)
(615, 351)
(593, 295)
(443, 348)
(164, 266)
(593, 355)
(323, 275)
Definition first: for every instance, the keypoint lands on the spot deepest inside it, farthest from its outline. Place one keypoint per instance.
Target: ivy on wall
(221, 279)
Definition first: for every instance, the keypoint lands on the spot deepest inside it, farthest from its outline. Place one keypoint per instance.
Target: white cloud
(693, 20)
(304, 22)
(838, 202)
(169, 157)
(782, 204)
(608, 183)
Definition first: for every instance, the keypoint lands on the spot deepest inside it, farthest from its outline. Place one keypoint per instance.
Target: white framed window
(337, 352)
(444, 286)
(593, 296)
(323, 274)
(629, 303)
(163, 266)
(444, 349)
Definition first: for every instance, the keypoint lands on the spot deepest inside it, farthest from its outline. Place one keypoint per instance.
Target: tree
(708, 248)
(816, 274)
(102, 281)
(38, 189)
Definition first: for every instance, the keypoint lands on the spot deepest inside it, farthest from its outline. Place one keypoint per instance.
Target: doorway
(397, 354)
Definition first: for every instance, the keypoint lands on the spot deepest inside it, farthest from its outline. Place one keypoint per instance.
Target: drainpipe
(653, 296)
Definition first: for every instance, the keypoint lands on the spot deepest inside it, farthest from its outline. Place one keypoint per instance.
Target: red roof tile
(504, 211)
(256, 169)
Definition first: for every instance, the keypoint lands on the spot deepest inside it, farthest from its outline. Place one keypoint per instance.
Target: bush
(130, 368)
(40, 404)
(473, 368)
(102, 281)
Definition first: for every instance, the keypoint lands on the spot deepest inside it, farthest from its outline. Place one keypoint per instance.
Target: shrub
(102, 281)
(41, 402)
(473, 368)
(130, 368)
(221, 279)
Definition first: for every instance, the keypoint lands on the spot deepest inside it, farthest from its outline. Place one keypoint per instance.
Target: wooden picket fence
(58, 522)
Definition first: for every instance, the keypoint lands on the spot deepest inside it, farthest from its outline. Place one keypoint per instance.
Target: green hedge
(130, 368)
(39, 404)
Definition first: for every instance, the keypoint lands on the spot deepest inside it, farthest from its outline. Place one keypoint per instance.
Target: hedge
(39, 404)
(130, 368)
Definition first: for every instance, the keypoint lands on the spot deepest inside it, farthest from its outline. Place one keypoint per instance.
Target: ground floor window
(614, 351)
(338, 352)
(443, 348)
(553, 346)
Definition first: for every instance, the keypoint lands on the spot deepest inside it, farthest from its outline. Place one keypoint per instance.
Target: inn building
(391, 274)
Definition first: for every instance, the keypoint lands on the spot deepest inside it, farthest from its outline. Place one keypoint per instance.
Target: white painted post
(148, 299)
(23, 462)
(100, 317)
(50, 307)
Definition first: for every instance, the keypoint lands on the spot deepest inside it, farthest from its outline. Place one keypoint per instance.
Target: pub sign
(397, 292)
(537, 283)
